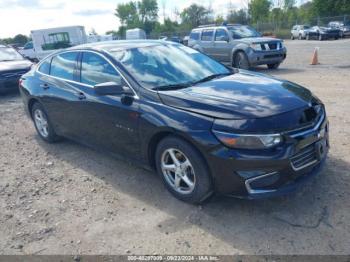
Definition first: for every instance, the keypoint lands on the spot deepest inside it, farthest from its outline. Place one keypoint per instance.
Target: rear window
(45, 67)
(63, 65)
(194, 35)
(207, 35)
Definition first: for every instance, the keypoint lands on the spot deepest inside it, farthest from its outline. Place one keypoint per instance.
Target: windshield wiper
(172, 87)
(210, 77)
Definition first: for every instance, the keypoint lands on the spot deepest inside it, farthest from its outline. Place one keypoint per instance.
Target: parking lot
(68, 199)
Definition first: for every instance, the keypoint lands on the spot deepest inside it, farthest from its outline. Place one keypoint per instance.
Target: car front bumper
(255, 174)
(267, 57)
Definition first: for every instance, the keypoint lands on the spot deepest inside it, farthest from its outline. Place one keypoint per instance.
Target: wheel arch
(159, 136)
(31, 102)
(235, 52)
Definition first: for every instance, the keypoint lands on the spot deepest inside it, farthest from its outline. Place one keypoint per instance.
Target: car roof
(120, 44)
(215, 26)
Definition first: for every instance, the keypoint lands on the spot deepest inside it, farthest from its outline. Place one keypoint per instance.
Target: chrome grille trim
(305, 158)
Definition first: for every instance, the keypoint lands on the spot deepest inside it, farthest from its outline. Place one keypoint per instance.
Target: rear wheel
(273, 66)
(241, 61)
(183, 170)
(42, 124)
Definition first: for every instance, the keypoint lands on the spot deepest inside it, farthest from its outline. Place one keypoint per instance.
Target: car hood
(14, 65)
(243, 95)
(251, 40)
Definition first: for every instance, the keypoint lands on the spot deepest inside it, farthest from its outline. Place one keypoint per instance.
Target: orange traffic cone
(314, 59)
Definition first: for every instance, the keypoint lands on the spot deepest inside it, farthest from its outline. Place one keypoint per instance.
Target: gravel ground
(67, 199)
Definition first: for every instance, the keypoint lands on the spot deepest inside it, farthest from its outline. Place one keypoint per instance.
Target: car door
(207, 42)
(106, 120)
(58, 91)
(222, 46)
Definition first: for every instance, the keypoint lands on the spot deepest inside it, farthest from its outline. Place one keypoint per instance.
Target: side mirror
(111, 88)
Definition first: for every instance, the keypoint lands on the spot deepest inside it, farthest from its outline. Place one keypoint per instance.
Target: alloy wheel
(41, 122)
(178, 171)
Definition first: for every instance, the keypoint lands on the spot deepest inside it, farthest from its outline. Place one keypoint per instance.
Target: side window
(96, 70)
(207, 35)
(194, 35)
(28, 45)
(45, 67)
(221, 35)
(63, 65)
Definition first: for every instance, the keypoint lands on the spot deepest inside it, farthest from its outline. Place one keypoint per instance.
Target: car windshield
(168, 65)
(9, 54)
(243, 32)
(306, 27)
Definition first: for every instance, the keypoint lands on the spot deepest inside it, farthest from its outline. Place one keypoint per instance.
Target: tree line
(281, 13)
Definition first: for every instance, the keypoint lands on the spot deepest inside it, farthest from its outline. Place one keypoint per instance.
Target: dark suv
(239, 46)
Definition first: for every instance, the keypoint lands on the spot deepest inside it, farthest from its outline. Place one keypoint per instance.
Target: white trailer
(134, 34)
(46, 41)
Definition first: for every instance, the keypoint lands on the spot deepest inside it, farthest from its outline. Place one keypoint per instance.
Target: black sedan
(322, 33)
(204, 127)
(12, 67)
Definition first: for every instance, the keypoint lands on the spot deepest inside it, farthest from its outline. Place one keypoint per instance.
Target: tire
(43, 127)
(273, 66)
(196, 172)
(292, 37)
(241, 61)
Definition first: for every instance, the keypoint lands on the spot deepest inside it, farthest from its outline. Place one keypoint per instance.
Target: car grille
(273, 56)
(271, 46)
(306, 157)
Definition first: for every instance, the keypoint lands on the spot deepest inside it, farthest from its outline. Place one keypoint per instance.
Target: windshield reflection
(167, 64)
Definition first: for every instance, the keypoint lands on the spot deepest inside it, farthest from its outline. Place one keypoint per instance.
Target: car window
(63, 65)
(194, 35)
(207, 35)
(28, 45)
(96, 70)
(167, 64)
(221, 35)
(45, 67)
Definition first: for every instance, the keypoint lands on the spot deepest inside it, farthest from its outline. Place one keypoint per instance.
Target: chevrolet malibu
(203, 127)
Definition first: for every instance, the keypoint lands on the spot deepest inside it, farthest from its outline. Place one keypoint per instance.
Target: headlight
(244, 141)
(256, 46)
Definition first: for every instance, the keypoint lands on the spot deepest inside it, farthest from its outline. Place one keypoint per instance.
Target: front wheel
(183, 170)
(42, 124)
(241, 61)
(273, 66)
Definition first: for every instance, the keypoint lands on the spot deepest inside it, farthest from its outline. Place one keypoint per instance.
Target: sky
(22, 16)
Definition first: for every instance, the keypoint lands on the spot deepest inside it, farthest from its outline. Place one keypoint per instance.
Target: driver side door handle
(81, 95)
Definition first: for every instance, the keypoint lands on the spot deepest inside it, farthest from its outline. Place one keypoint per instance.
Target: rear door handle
(45, 86)
(81, 96)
